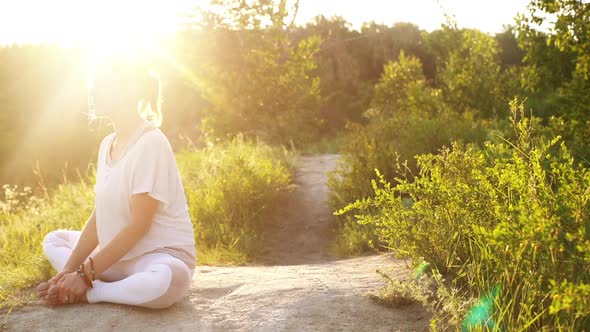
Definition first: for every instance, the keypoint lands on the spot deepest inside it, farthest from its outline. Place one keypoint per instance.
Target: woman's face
(114, 88)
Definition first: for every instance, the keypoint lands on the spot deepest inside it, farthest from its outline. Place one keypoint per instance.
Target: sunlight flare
(106, 26)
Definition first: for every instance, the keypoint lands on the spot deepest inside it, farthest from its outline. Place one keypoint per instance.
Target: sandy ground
(297, 286)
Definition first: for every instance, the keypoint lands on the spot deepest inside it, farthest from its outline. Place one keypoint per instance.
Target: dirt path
(297, 286)
(302, 229)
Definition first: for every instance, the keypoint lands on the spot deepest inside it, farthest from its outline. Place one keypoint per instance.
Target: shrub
(380, 146)
(512, 216)
(471, 74)
(257, 81)
(231, 190)
(407, 118)
(399, 138)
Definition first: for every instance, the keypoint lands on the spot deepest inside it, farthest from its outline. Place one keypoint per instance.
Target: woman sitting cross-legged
(137, 247)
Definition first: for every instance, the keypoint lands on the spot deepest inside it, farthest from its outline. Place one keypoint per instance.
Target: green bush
(513, 216)
(231, 189)
(258, 81)
(471, 74)
(401, 138)
(407, 118)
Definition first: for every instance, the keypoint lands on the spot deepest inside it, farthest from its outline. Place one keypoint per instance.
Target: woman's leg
(156, 280)
(58, 246)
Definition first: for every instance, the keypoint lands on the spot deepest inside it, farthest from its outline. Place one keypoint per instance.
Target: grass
(353, 239)
(231, 190)
(332, 144)
(22, 231)
(445, 304)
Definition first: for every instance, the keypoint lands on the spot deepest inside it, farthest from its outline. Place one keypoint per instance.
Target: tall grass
(231, 191)
(22, 261)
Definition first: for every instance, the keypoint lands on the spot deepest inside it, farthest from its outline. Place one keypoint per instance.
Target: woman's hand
(72, 286)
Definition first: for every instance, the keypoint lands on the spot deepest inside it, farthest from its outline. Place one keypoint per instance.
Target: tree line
(286, 84)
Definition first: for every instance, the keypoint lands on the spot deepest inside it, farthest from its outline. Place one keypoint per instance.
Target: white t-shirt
(147, 166)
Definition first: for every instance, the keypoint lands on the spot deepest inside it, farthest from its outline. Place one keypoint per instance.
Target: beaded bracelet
(92, 268)
(80, 271)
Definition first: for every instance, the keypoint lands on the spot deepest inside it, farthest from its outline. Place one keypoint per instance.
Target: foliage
(353, 239)
(513, 214)
(328, 145)
(350, 61)
(407, 118)
(231, 189)
(470, 74)
(400, 293)
(557, 65)
(243, 68)
(402, 87)
(22, 230)
(380, 145)
(266, 88)
(569, 31)
(14, 199)
(574, 133)
(447, 305)
(509, 53)
(41, 120)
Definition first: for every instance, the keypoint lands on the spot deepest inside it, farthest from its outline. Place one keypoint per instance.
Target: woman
(137, 247)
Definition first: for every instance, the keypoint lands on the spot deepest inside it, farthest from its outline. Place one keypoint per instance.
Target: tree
(557, 62)
(403, 87)
(571, 30)
(468, 70)
(510, 54)
(256, 80)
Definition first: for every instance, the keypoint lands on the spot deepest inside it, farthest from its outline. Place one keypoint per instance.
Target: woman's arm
(86, 244)
(143, 209)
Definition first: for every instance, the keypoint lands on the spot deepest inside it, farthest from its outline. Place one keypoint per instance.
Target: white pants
(153, 280)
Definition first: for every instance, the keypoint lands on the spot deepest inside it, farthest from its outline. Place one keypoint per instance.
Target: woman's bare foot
(52, 297)
(43, 288)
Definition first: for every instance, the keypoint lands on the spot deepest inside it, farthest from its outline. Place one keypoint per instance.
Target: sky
(486, 15)
(33, 21)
